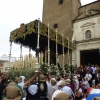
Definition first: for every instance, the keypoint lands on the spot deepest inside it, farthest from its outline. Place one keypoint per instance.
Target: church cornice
(87, 40)
(87, 24)
(86, 17)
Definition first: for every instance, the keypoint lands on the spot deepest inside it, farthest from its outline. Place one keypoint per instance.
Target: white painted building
(86, 35)
(6, 58)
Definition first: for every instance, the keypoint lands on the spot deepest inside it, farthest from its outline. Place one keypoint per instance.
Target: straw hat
(59, 95)
(17, 98)
(61, 84)
(11, 83)
(14, 92)
(63, 96)
(96, 98)
(67, 81)
(42, 77)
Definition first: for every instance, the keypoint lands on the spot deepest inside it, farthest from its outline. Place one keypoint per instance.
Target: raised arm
(30, 80)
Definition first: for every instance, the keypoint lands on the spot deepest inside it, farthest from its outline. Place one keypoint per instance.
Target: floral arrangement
(53, 69)
(69, 68)
(44, 69)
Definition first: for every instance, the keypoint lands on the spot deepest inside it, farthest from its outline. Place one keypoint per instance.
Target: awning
(26, 35)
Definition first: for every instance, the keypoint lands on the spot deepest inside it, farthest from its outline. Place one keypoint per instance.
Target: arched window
(88, 34)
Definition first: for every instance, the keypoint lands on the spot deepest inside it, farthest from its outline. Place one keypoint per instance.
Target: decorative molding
(88, 40)
(87, 24)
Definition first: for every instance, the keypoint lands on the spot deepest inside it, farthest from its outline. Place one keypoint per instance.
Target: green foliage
(61, 70)
(53, 70)
(28, 73)
(44, 68)
(69, 68)
(13, 73)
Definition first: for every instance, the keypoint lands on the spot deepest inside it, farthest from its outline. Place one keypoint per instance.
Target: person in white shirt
(85, 84)
(62, 86)
(94, 71)
(77, 75)
(79, 93)
(76, 83)
(51, 85)
(89, 77)
(21, 83)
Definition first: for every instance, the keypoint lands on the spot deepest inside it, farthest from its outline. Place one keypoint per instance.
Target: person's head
(53, 82)
(88, 64)
(58, 79)
(42, 78)
(88, 72)
(21, 79)
(61, 84)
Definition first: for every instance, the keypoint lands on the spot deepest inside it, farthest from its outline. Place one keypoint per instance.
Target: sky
(12, 14)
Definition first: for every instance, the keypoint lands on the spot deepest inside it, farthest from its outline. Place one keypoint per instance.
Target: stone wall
(61, 14)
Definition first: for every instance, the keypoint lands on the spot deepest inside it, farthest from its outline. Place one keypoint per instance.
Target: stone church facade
(86, 34)
(81, 24)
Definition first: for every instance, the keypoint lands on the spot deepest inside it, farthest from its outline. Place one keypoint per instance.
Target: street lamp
(37, 67)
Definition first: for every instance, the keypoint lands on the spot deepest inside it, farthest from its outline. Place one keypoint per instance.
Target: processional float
(36, 36)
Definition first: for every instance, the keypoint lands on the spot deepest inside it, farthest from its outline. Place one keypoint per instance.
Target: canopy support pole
(48, 47)
(56, 50)
(63, 49)
(38, 40)
(10, 53)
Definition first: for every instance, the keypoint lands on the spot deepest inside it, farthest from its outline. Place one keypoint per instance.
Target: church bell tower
(59, 14)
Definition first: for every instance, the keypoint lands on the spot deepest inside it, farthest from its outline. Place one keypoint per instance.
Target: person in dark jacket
(32, 92)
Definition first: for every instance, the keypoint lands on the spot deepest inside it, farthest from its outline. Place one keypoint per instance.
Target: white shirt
(89, 76)
(93, 82)
(86, 84)
(77, 75)
(94, 69)
(76, 84)
(67, 90)
(49, 89)
(80, 90)
(95, 91)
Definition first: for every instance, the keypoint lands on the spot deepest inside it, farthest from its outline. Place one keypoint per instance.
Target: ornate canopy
(26, 35)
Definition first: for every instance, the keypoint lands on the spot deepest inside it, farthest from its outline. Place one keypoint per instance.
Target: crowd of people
(84, 84)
